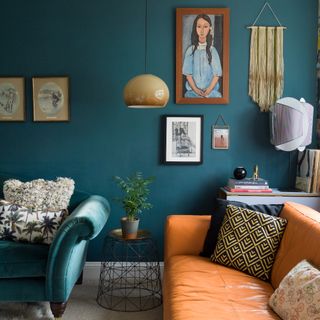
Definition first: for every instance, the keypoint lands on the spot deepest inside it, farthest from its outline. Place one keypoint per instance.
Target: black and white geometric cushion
(248, 241)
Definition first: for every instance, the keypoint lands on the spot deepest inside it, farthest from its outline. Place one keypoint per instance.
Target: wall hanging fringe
(266, 68)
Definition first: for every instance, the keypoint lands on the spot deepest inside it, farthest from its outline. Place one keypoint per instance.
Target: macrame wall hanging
(266, 62)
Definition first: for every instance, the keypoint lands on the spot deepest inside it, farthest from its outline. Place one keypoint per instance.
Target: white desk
(309, 199)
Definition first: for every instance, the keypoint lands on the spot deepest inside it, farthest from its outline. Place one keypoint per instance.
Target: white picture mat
(194, 134)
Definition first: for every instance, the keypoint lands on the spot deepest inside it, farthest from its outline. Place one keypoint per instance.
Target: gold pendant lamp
(146, 90)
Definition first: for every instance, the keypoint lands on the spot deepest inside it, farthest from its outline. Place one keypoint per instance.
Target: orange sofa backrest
(301, 240)
(185, 234)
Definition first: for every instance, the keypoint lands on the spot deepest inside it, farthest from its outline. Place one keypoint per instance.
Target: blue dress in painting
(202, 72)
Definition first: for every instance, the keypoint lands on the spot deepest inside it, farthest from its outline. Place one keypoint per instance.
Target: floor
(82, 305)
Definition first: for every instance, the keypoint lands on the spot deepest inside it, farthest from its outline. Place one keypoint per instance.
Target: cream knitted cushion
(39, 194)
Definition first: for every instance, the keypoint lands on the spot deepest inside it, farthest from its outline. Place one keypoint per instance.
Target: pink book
(249, 190)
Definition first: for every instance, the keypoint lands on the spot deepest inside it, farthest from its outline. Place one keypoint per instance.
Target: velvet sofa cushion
(19, 260)
(218, 215)
(248, 241)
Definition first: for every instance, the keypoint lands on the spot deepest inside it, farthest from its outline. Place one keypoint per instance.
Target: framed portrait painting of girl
(202, 55)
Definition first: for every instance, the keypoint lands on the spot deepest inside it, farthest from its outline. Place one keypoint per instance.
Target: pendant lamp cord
(145, 36)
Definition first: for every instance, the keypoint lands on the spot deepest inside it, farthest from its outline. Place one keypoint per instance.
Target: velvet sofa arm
(68, 251)
(185, 234)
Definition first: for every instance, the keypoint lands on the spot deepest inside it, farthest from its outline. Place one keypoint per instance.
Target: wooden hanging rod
(280, 27)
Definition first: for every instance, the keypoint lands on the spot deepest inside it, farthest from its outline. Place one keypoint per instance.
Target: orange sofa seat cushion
(196, 288)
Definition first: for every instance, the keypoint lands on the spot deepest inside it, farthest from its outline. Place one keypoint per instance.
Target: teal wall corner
(100, 46)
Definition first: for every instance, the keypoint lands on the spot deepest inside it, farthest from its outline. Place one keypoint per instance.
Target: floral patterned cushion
(19, 223)
(39, 194)
(298, 295)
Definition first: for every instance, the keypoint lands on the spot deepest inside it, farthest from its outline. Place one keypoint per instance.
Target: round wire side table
(130, 273)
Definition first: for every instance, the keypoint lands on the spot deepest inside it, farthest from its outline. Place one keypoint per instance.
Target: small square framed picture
(51, 99)
(183, 139)
(12, 100)
(220, 137)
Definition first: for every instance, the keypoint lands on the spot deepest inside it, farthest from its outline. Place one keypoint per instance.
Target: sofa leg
(80, 279)
(57, 309)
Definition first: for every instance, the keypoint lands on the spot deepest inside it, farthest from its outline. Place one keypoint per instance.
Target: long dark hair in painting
(195, 37)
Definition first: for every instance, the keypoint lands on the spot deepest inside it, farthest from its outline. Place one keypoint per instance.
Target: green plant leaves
(136, 190)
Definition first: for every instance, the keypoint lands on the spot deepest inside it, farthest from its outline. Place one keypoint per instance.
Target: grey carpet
(82, 306)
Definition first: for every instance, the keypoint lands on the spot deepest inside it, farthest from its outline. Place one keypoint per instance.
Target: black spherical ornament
(240, 173)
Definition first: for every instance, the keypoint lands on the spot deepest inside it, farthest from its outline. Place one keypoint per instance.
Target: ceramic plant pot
(129, 228)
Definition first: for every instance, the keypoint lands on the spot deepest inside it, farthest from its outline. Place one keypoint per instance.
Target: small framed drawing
(51, 99)
(12, 99)
(183, 139)
(202, 55)
(220, 137)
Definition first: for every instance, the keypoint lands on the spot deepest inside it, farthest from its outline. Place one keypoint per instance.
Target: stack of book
(248, 185)
(308, 171)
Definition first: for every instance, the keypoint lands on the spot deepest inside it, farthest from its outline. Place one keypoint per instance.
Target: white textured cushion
(21, 224)
(298, 295)
(39, 194)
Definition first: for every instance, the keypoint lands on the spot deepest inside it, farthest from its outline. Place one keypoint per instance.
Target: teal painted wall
(100, 45)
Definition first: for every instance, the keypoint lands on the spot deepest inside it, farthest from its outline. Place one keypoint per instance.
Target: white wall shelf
(309, 199)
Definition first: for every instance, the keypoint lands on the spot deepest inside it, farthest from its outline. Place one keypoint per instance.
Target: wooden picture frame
(192, 47)
(51, 99)
(183, 139)
(12, 99)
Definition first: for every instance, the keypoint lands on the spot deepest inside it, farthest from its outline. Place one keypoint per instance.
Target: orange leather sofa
(198, 289)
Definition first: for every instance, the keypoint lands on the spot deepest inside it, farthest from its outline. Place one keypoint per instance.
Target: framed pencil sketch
(220, 137)
(51, 99)
(183, 139)
(202, 55)
(12, 99)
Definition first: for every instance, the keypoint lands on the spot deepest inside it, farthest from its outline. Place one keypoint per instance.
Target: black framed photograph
(202, 55)
(51, 99)
(183, 139)
(12, 99)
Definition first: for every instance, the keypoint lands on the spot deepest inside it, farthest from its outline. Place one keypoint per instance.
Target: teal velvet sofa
(33, 272)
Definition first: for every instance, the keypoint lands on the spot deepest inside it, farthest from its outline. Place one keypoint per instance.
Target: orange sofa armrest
(185, 234)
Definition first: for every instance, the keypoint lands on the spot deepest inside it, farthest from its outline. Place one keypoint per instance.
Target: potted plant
(135, 199)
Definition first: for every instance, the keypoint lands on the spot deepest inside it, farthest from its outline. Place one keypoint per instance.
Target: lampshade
(291, 124)
(146, 91)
